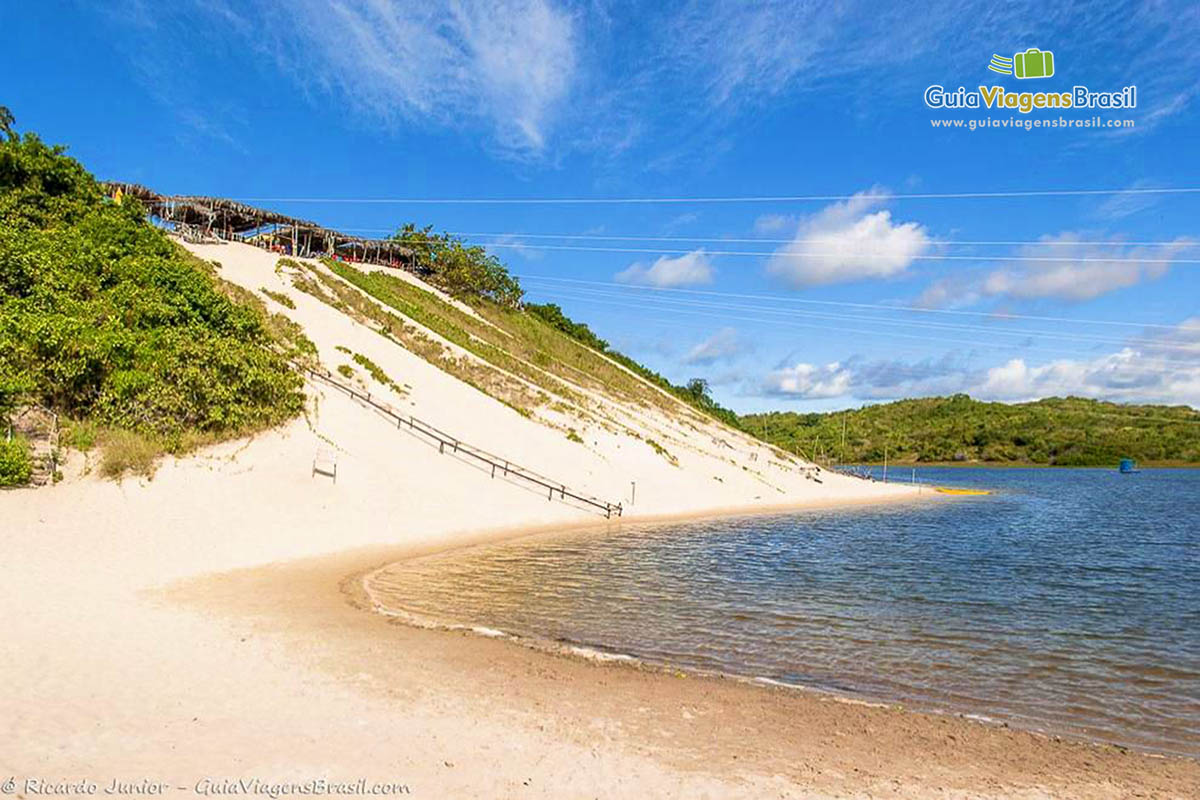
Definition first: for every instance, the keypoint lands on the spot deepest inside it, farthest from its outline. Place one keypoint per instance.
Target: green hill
(138, 346)
(1060, 431)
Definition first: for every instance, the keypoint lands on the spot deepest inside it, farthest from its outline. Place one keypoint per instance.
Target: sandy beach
(143, 644)
(207, 626)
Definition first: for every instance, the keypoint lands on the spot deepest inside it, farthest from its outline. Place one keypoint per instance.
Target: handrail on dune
(444, 440)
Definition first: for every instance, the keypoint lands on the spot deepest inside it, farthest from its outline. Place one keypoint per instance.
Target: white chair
(325, 463)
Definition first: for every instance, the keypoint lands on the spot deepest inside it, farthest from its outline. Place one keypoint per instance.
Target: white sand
(106, 678)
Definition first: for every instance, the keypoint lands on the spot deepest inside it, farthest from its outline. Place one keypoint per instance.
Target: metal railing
(506, 467)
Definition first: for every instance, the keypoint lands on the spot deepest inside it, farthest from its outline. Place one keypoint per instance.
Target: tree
(460, 269)
(7, 120)
(698, 389)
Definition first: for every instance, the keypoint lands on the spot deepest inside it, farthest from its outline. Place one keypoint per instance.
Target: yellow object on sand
(951, 490)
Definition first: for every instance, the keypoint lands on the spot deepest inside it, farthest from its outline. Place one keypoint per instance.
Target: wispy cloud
(1120, 206)
(534, 78)
(691, 269)
(784, 48)
(510, 243)
(723, 345)
(504, 67)
(1066, 266)
(508, 63)
(848, 241)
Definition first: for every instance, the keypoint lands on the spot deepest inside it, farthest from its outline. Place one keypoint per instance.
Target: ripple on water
(1070, 601)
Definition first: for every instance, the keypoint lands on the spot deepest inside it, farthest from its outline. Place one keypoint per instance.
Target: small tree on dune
(7, 120)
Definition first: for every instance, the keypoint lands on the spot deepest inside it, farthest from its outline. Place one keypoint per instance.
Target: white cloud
(1088, 271)
(1124, 375)
(722, 345)
(509, 243)
(1162, 367)
(1065, 267)
(691, 269)
(810, 381)
(507, 63)
(847, 241)
(773, 223)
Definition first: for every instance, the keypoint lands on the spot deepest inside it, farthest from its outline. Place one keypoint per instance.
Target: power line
(826, 327)
(725, 199)
(880, 306)
(761, 240)
(786, 254)
(1187, 348)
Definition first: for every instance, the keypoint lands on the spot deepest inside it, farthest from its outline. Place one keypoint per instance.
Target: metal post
(632, 492)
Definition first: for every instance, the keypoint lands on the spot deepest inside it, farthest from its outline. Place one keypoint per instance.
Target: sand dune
(131, 650)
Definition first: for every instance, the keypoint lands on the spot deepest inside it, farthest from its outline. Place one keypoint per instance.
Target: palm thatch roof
(225, 219)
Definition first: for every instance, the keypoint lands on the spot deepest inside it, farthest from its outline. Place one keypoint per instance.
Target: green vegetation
(362, 308)
(518, 342)
(695, 393)
(662, 451)
(126, 451)
(458, 269)
(105, 320)
(16, 463)
(1057, 431)
(278, 297)
(345, 370)
(377, 373)
(81, 436)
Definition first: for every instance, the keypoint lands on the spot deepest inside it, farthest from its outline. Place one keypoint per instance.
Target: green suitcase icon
(1033, 63)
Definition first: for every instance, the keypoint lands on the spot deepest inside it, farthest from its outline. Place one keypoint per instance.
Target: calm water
(1068, 601)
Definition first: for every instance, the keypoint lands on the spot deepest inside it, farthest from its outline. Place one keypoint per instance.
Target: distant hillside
(1059, 431)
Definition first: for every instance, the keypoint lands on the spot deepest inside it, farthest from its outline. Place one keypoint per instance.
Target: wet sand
(704, 735)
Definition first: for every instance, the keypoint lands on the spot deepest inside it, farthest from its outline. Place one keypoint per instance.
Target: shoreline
(357, 592)
(1012, 465)
(710, 726)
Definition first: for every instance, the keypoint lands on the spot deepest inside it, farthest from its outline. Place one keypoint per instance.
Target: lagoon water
(1068, 601)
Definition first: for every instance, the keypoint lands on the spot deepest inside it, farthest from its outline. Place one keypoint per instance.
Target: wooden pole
(842, 455)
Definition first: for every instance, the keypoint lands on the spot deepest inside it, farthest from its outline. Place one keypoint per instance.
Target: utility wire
(803, 198)
(509, 235)
(787, 254)
(824, 327)
(1026, 333)
(880, 306)
(760, 240)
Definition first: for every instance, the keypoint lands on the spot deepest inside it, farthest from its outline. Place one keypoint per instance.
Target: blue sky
(871, 296)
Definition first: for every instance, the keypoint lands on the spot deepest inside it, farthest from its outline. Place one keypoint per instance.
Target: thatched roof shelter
(229, 220)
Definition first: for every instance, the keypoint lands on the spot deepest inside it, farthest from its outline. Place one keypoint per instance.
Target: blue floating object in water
(1128, 465)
